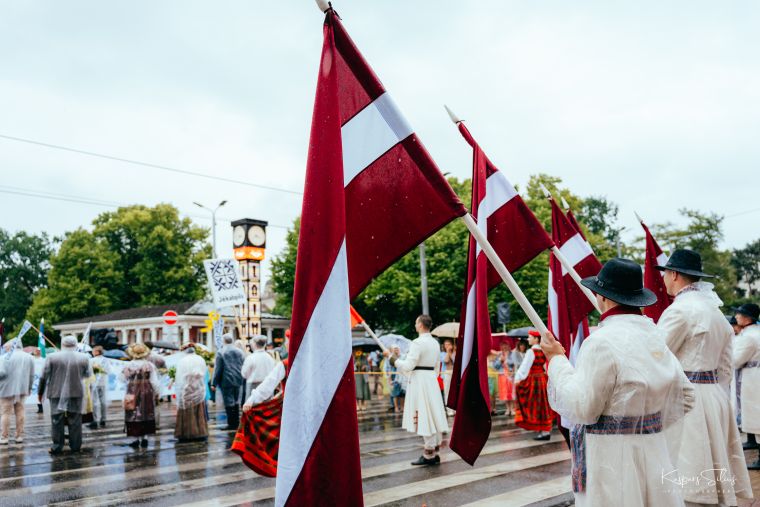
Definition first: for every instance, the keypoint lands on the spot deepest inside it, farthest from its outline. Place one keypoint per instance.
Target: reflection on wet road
(167, 473)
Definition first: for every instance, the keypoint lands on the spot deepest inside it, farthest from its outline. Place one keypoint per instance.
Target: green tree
(284, 271)
(746, 262)
(23, 272)
(135, 256)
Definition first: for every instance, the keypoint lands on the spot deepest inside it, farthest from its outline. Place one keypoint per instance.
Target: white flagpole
(569, 267)
(374, 336)
(472, 226)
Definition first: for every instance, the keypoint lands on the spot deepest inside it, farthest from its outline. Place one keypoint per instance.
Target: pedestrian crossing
(513, 468)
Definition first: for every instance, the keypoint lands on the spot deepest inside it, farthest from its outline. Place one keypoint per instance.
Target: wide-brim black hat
(687, 262)
(751, 310)
(621, 281)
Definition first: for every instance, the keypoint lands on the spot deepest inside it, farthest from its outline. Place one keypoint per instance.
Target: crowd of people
(75, 385)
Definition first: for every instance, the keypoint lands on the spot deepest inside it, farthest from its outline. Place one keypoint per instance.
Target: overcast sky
(653, 104)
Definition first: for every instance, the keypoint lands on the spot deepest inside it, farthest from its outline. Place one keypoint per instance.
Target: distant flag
(372, 193)
(41, 339)
(25, 327)
(85, 339)
(568, 305)
(218, 329)
(518, 237)
(653, 281)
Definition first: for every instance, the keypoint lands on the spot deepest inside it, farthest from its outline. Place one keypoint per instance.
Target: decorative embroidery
(702, 377)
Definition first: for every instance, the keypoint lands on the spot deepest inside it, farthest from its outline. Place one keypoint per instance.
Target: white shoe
(3, 441)
(19, 440)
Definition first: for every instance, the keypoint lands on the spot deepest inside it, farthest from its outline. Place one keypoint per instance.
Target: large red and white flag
(583, 327)
(568, 305)
(653, 277)
(517, 236)
(372, 193)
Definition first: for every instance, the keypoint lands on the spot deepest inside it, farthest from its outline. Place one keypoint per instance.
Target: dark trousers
(74, 422)
(231, 397)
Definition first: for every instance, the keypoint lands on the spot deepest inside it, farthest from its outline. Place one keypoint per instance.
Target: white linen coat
(624, 369)
(423, 396)
(709, 444)
(747, 349)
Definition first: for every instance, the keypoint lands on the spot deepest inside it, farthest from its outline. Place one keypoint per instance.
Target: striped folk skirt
(532, 411)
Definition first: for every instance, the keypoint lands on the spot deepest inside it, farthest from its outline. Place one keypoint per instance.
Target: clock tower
(249, 238)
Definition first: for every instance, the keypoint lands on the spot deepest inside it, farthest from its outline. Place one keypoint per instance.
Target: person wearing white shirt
(98, 388)
(257, 365)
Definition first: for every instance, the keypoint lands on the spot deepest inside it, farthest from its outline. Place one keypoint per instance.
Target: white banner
(224, 282)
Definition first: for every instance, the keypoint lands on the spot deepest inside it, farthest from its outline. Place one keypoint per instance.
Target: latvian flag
(653, 278)
(372, 193)
(568, 305)
(517, 236)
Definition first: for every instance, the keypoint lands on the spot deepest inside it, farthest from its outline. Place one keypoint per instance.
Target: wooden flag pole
(472, 226)
(238, 324)
(48, 339)
(374, 336)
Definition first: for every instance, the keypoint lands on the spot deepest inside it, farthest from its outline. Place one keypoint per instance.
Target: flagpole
(374, 336)
(533, 316)
(43, 335)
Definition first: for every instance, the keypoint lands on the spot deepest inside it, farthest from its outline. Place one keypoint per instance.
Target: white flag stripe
(374, 130)
(662, 259)
(315, 374)
(553, 306)
(499, 191)
(575, 250)
(469, 330)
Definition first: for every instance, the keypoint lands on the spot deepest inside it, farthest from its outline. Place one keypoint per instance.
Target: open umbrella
(521, 332)
(163, 344)
(396, 340)
(447, 330)
(365, 344)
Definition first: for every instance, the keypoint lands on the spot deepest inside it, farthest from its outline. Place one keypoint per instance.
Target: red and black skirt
(257, 440)
(532, 410)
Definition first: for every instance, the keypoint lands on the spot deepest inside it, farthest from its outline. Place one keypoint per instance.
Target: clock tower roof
(249, 221)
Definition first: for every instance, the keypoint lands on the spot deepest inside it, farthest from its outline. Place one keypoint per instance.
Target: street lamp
(213, 223)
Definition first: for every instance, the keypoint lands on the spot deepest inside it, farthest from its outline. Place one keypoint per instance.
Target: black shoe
(93, 425)
(543, 437)
(422, 460)
(754, 466)
(437, 459)
(54, 452)
(135, 444)
(103, 424)
(748, 446)
(144, 443)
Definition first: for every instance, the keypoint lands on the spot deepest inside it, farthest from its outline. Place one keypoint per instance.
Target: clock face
(256, 235)
(238, 235)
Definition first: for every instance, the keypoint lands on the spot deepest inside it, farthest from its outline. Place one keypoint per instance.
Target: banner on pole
(224, 282)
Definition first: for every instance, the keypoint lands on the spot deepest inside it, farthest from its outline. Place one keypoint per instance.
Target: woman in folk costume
(142, 382)
(424, 413)
(190, 388)
(532, 411)
(746, 358)
(625, 389)
(698, 334)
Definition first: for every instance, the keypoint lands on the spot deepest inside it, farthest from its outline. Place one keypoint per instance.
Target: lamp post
(213, 223)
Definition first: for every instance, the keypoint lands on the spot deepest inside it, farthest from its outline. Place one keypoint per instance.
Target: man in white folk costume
(424, 413)
(696, 331)
(747, 360)
(624, 390)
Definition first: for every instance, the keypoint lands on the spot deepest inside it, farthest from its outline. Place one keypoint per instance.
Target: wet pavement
(512, 470)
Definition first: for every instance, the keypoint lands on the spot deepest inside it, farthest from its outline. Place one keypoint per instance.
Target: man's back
(257, 366)
(16, 374)
(228, 372)
(63, 374)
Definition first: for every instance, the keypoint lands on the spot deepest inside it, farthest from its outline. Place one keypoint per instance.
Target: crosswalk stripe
(451, 480)
(527, 495)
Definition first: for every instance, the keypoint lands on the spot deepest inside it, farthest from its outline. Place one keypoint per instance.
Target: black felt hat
(621, 281)
(751, 310)
(687, 262)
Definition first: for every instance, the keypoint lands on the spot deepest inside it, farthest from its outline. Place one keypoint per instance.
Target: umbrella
(162, 344)
(447, 330)
(521, 332)
(115, 354)
(396, 340)
(366, 344)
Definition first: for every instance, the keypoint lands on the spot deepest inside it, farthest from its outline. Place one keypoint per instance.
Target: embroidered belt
(702, 377)
(752, 364)
(606, 425)
(428, 368)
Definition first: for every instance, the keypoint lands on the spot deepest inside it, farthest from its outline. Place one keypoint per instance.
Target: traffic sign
(170, 317)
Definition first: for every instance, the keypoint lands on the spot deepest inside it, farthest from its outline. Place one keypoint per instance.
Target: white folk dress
(710, 455)
(747, 359)
(625, 377)
(423, 396)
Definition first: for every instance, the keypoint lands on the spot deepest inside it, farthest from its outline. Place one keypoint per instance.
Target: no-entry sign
(170, 317)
